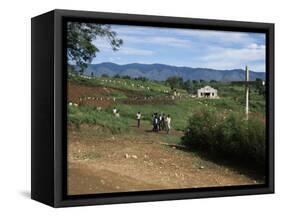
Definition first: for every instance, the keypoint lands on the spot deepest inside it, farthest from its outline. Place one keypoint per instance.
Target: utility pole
(247, 92)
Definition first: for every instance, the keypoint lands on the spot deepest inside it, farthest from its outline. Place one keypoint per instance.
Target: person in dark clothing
(160, 121)
(155, 122)
(162, 124)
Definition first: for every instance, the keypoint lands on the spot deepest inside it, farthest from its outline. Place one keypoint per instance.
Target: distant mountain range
(162, 72)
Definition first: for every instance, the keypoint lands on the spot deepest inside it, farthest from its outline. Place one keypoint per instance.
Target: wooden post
(247, 92)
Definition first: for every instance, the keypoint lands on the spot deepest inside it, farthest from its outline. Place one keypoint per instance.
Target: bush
(227, 137)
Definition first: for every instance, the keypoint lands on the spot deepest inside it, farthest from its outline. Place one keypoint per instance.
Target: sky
(184, 47)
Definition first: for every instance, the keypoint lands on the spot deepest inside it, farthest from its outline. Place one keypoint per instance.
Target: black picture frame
(49, 108)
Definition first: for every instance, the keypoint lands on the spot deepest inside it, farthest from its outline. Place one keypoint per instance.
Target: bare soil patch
(100, 96)
(142, 160)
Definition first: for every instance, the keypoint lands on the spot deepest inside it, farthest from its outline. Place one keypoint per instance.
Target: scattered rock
(127, 156)
(134, 156)
(201, 167)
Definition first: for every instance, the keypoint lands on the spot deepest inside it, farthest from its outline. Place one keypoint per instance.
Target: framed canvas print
(131, 108)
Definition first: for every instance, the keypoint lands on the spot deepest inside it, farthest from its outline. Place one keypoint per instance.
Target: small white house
(207, 92)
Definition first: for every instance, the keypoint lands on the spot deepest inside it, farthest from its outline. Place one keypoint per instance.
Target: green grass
(177, 113)
(180, 111)
(89, 115)
(231, 100)
(171, 139)
(117, 95)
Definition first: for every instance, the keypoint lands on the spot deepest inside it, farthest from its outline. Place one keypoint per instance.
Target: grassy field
(231, 100)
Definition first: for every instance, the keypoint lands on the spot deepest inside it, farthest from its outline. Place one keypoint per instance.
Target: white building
(207, 92)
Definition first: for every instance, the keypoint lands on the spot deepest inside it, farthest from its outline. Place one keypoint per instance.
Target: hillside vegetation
(215, 127)
(162, 72)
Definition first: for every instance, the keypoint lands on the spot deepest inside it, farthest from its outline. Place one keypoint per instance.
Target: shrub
(227, 137)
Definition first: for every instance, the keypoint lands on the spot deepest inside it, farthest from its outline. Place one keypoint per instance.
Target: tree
(117, 76)
(175, 82)
(143, 79)
(195, 82)
(105, 76)
(126, 77)
(188, 86)
(80, 36)
(260, 87)
(258, 80)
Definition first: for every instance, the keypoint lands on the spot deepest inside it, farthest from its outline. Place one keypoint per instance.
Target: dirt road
(141, 160)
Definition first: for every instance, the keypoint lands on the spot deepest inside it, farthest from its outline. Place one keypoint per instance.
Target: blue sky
(185, 47)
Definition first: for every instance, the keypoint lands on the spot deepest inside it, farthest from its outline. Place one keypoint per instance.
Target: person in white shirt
(168, 123)
(117, 114)
(138, 119)
(114, 110)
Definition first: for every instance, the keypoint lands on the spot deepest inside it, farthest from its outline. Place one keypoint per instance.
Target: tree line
(191, 86)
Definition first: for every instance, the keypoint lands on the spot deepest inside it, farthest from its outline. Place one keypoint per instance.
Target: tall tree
(175, 82)
(260, 87)
(80, 36)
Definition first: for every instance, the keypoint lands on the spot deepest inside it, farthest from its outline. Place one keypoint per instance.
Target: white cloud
(227, 58)
(156, 40)
(255, 46)
(169, 41)
(206, 48)
(246, 54)
(205, 35)
(104, 46)
(135, 51)
(223, 37)
(139, 30)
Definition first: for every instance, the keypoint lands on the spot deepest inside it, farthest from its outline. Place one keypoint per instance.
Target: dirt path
(141, 160)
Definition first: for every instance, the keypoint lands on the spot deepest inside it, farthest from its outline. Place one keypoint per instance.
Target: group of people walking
(161, 122)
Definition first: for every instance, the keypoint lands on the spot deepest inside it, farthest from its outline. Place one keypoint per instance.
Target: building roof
(207, 89)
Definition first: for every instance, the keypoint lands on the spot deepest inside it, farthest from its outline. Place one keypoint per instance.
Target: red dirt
(100, 96)
(90, 95)
(99, 163)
